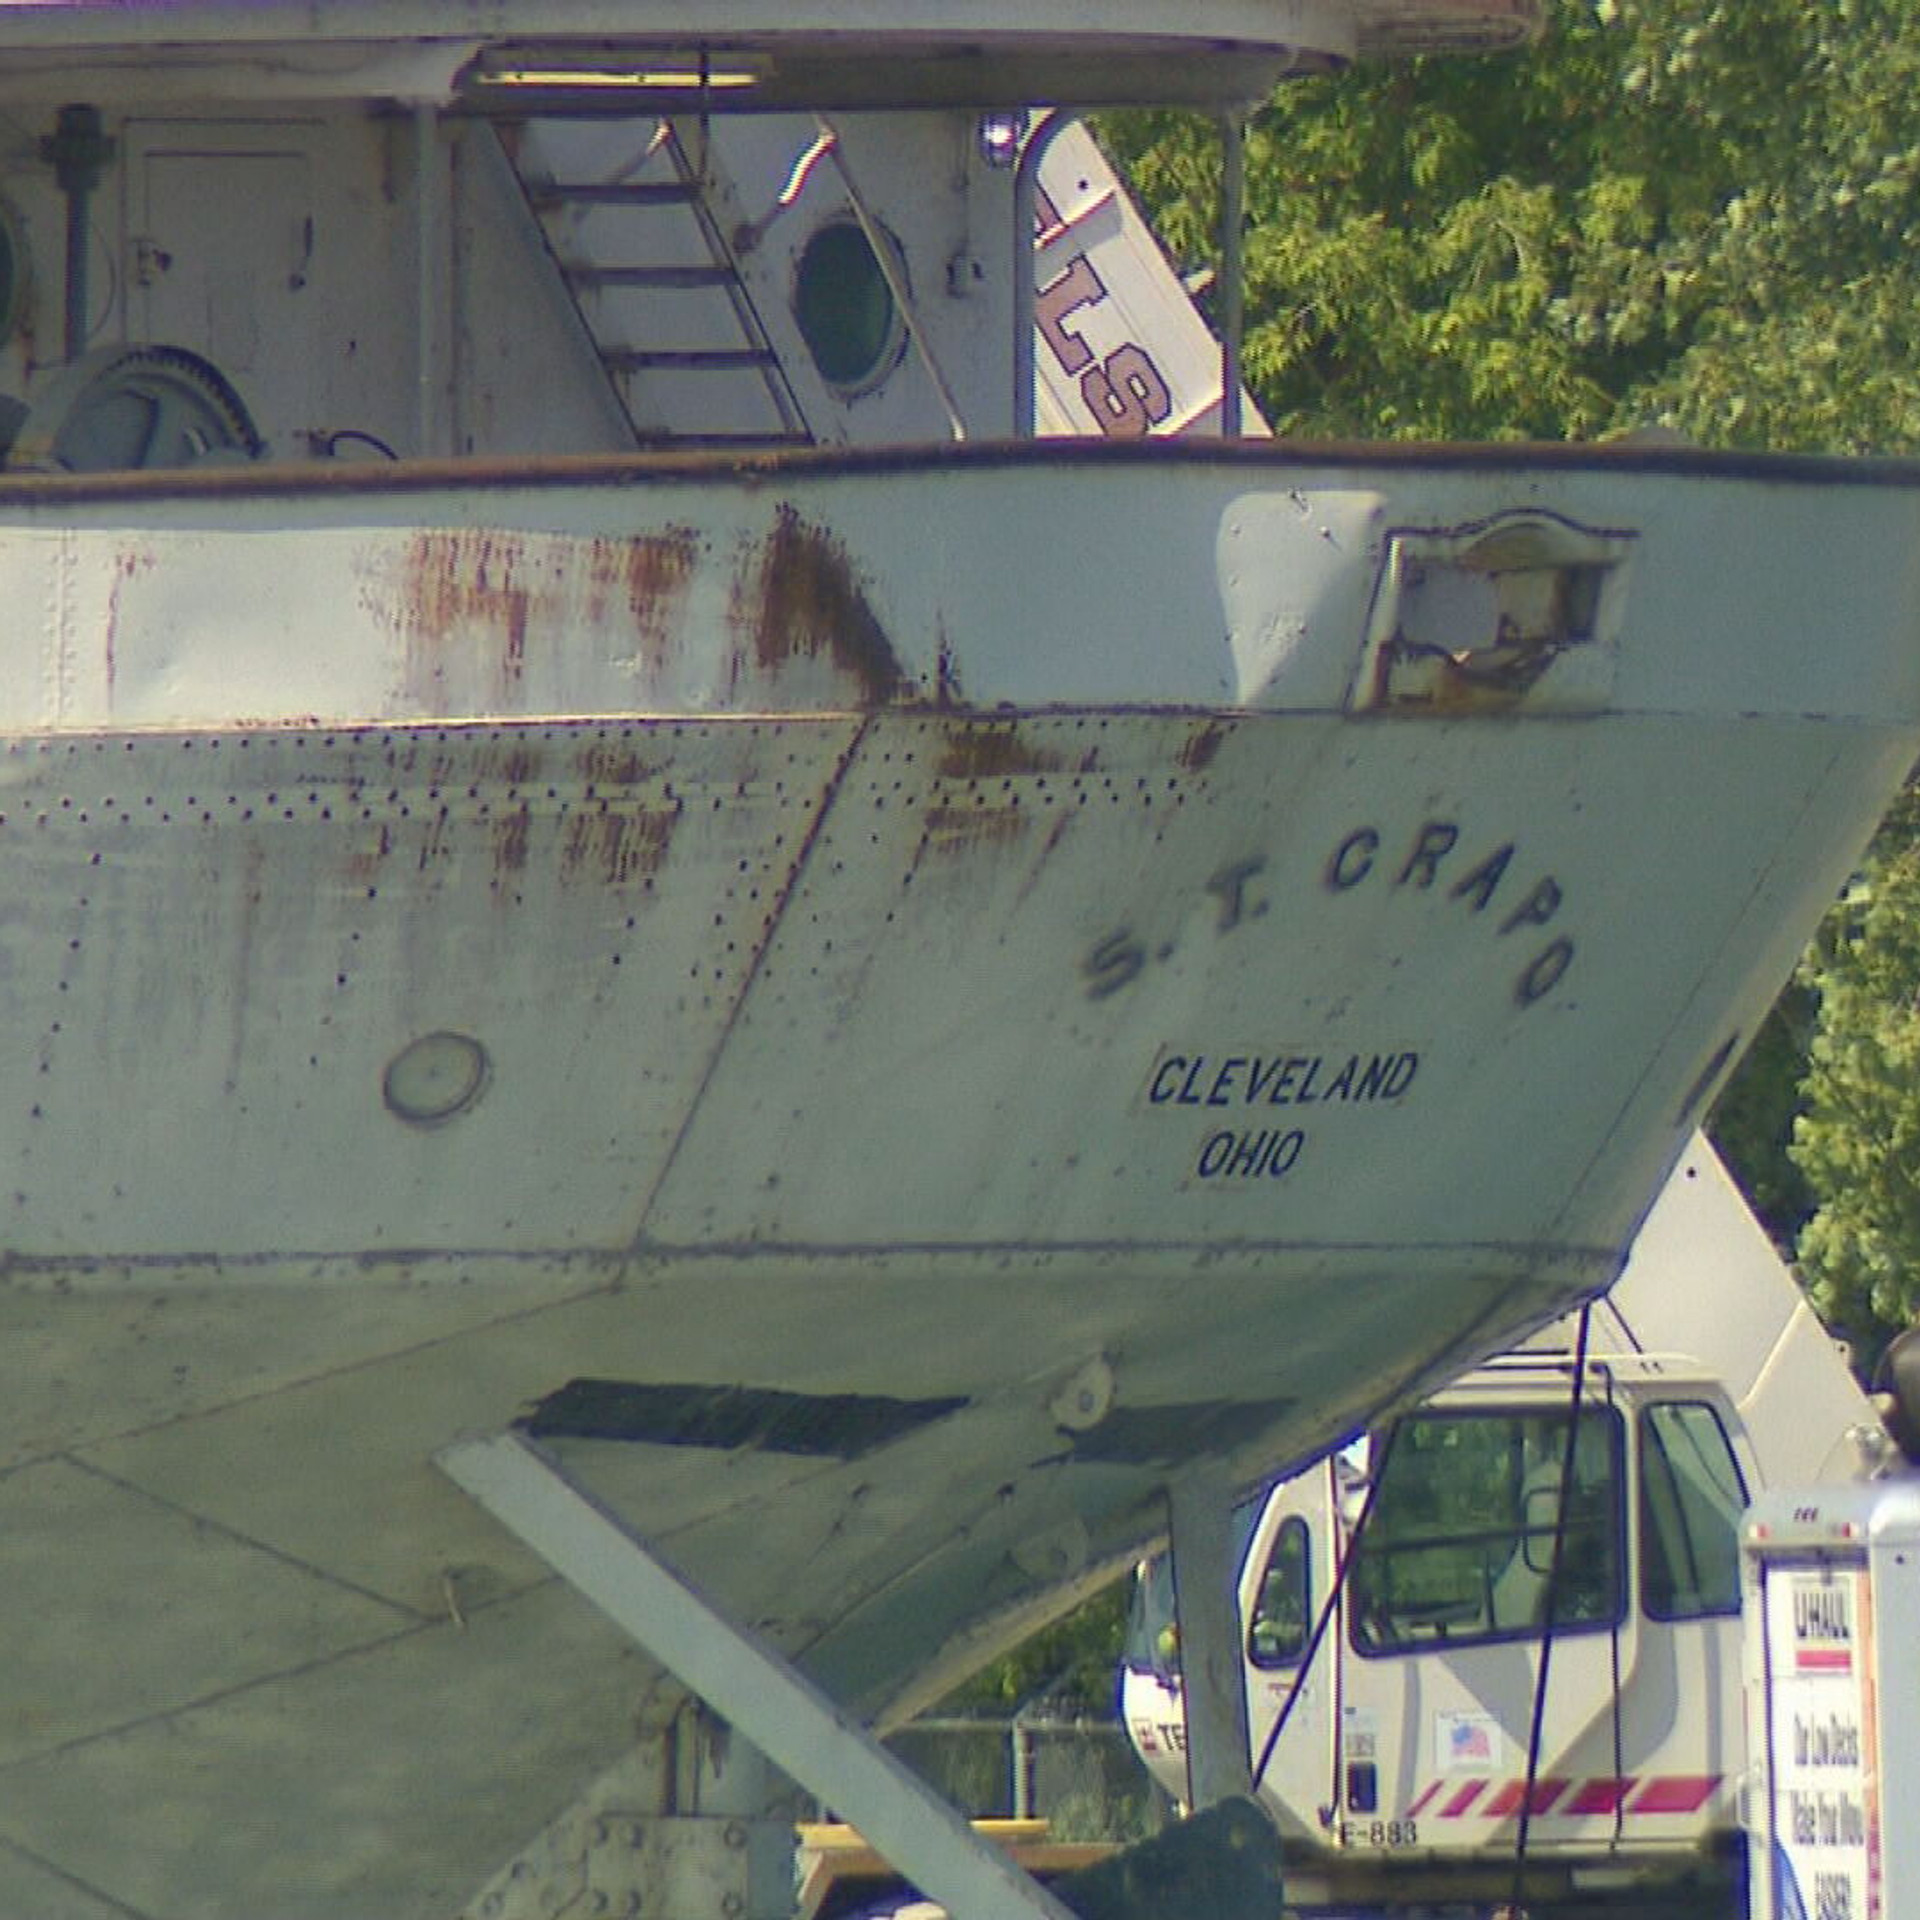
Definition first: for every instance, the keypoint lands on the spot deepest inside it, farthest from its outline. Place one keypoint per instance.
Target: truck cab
(1493, 1628)
(1392, 1711)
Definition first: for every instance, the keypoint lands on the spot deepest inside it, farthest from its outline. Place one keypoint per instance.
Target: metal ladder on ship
(660, 292)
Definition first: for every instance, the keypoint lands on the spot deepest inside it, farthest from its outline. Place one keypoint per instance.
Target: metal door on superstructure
(220, 239)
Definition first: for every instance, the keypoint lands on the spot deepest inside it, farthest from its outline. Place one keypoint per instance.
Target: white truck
(1462, 1684)
(1830, 1576)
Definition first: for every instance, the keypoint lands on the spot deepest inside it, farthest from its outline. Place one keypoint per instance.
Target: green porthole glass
(845, 309)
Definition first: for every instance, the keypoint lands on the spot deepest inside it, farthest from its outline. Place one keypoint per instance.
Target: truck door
(1680, 1710)
(1472, 1554)
(1289, 1575)
(1284, 1577)
(1471, 1558)
(1286, 1582)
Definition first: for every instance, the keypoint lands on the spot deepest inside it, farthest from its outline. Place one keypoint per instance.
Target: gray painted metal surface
(395, 28)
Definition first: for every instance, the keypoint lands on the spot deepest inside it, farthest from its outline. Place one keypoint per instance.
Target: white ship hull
(890, 1004)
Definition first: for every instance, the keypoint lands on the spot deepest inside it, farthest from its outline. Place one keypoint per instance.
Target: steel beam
(1205, 1579)
(778, 1709)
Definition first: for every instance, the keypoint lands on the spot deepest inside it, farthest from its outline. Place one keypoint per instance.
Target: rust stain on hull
(990, 753)
(951, 830)
(1005, 776)
(616, 848)
(651, 574)
(365, 862)
(490, 618)
(470, 604)
(128, 564)
(802, 602)
(470, 590)
(511, 833)
(516, 766)
(1197, 754)
(612, 845)
(603, 766)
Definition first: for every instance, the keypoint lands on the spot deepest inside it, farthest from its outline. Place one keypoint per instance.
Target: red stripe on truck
(1507, 1800)
(1605, 1795)
(1675, 1793)
(1601, 1796)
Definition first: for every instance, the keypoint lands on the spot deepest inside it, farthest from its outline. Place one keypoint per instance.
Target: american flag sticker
(1467, 1743)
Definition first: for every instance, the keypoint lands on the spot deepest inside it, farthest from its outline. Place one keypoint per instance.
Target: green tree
(1074, 1663)
(1691, 212)
(1753, 1121)
(1858, 1136)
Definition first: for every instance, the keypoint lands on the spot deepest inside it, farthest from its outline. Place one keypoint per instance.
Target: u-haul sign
(1822, 1706)
(1830, 1598)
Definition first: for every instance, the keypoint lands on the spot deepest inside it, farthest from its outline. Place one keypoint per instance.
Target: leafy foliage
(1858, 1137)
(1753, 1121)
(1690, 212)
(1072, 1664)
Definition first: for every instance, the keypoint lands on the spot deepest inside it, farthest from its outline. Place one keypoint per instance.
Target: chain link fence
(1078, 1773)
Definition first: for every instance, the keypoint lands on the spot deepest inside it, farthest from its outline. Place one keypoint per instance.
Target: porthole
(846, 311)
(439, 1076)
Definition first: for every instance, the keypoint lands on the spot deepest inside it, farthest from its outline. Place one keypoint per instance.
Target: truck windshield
(1460, 1546)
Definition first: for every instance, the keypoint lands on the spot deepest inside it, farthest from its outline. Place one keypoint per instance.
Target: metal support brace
(1233, 269)
(770, 1704)
(432, 204)
(1205, 1575)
